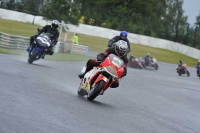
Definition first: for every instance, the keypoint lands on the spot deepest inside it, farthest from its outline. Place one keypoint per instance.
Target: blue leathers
(198, 68)
(147, 58)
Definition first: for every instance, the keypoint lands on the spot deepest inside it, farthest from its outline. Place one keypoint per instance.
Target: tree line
(156, 18)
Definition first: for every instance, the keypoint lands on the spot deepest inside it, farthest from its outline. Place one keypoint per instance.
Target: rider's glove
(125, 72)
(54, 43)
(100, 57)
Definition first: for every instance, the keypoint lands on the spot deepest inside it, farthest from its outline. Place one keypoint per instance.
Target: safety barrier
(13, 42)
(66, 47)
(21, 43)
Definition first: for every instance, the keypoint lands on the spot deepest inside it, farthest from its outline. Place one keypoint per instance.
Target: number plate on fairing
(87, 77)
(117, 62)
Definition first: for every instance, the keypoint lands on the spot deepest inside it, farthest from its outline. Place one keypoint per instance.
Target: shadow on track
(39, 65)
(96, 103)
(149, 69)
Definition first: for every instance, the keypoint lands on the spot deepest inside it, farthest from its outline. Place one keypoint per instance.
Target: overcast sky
(191, 8)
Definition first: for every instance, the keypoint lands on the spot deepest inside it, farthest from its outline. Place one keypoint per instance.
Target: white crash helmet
(55, 24)
(121, 48)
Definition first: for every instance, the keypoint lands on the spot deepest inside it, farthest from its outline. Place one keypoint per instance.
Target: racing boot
(43, 56)
(81, 75)
(28, 49)
(101, 93)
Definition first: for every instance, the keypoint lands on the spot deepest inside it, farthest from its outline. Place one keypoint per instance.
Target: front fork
(31, 49)
(105, 79)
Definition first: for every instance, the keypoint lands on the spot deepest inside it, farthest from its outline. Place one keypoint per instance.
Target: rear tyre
(33, 57)
(80, 92)
(98, 88)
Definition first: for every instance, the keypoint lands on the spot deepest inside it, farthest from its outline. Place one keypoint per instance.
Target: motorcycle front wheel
(33, 57)
(156, 66)
(95, 92)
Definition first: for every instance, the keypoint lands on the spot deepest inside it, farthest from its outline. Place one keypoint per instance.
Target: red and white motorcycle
(97, 80)
(183, 70)
(152, 63)
(134, 62)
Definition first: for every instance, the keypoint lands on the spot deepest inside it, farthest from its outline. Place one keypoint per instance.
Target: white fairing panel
(43, 41)
(85, 84)
(154, 60)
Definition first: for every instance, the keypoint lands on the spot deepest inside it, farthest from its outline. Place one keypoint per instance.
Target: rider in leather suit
(52, 29)
(123, 36)
(119, 49)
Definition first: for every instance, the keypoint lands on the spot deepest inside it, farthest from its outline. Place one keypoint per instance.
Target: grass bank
(97, 43)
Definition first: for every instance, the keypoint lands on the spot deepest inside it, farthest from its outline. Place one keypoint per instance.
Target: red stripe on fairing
(106, 62)
(101, 77)
(108, 84)
(93, 77)
(120, 72)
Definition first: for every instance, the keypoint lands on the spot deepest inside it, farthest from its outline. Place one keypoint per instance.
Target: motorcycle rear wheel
(188, 73)
(33, 57)
(98, 88)
(81, 92)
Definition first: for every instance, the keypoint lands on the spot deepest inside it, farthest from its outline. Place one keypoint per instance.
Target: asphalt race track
(42, 98)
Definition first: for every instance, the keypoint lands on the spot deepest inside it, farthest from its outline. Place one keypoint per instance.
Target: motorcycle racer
(123, 36)
(119, 50)
(180, 64)
(198, 67)
(147, 58)
(52, 29)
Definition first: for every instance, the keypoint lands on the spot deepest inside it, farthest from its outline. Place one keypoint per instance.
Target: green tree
(62, 10)
(11, 4)
(30, 6)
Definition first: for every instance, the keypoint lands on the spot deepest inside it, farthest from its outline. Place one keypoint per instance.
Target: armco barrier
(13, 42)
(21, 43)
(73, 48)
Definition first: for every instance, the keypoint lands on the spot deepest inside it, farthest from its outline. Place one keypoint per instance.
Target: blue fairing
(36, 48)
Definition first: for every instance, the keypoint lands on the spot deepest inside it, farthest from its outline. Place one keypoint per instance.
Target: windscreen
(116, 60)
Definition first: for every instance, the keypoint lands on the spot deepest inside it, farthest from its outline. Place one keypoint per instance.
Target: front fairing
(184, 66)
(113, 65)
(40, 54)
(43, 40)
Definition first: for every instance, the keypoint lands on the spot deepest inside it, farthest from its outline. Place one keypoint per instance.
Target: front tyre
(188, 73)
(95, 92)
(156, 66)
(140, 66)
(33, 57)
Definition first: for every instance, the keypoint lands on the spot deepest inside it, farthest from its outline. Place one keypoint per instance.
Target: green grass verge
(97, 43)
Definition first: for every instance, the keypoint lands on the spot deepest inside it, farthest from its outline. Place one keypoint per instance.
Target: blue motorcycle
(42, 43)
